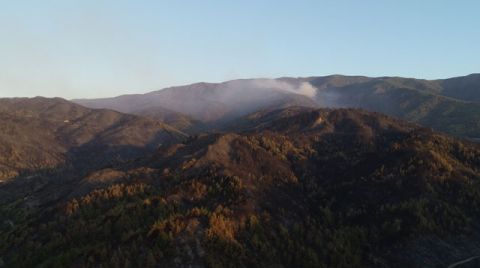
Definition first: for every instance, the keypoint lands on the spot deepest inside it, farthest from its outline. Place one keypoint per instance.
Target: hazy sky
(102, 48)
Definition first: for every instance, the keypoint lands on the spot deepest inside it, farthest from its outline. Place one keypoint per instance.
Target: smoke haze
(210, 101)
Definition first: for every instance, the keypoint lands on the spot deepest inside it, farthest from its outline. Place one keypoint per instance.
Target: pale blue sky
(101, 48)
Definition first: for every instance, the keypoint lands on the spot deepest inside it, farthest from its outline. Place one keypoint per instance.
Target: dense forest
(292, 188)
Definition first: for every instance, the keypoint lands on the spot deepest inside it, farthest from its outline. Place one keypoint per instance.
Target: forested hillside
(289, 188)
(43, 134)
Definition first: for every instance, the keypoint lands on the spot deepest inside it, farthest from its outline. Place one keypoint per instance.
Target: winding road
(463, 261)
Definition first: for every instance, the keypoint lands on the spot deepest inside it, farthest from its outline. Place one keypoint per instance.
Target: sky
(101, 48)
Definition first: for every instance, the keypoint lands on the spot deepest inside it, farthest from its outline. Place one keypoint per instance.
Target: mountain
(293, 187)
(43, 134)
(429, 103)
(464, 88)
(209, 102)
(449, 105)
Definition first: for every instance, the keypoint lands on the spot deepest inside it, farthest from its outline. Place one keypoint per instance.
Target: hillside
(296, 187)
(177, 120)
(430, 103)
(463, 88)
(43, 134)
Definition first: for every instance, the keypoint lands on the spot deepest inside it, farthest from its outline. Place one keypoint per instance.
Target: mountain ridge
(448, 105)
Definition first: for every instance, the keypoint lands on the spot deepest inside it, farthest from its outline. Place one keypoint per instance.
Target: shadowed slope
(43, 133)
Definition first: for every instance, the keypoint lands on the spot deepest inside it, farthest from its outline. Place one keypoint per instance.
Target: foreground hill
(41, 134)
(447, 105)
(289, 188)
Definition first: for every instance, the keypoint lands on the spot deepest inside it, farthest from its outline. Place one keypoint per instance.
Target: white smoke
(307, 89)
(210, 102)
(304, 88)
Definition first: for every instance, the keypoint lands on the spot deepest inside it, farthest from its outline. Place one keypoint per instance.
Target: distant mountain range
(449, 105)
(209, 103)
